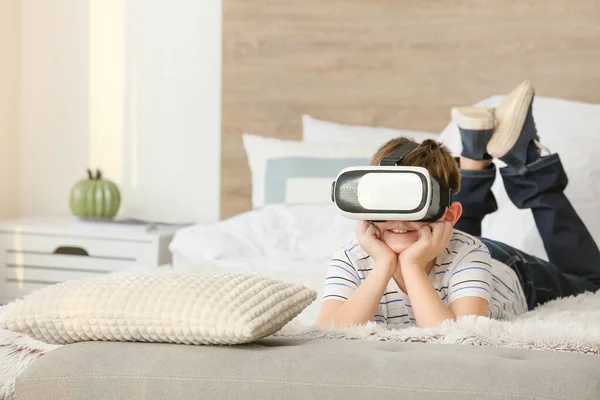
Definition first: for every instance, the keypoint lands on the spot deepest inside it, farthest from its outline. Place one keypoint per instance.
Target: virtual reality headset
(390, 191)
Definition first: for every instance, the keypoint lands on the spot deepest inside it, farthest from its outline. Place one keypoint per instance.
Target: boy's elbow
(329, 313)
(324, 324)
(325, 321)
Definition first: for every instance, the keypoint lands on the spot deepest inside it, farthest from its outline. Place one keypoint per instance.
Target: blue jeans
(574, 259)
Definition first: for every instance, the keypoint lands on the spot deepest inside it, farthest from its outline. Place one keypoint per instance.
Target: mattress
(292, 368)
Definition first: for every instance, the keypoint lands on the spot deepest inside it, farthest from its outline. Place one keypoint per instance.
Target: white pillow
(318, 131)
(569, 128)
(174, 308)
(292, 172)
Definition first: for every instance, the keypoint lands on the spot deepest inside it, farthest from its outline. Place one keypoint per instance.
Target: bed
(280, 368)
(323, 83)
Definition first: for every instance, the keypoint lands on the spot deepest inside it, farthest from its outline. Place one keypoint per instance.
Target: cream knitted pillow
(173, 308)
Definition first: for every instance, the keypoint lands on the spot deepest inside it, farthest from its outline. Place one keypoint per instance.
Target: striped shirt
(463, 269)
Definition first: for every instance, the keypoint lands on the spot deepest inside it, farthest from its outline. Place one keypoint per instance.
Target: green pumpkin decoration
(95, 197)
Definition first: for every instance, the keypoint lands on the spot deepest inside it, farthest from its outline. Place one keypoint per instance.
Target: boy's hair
(431, 155)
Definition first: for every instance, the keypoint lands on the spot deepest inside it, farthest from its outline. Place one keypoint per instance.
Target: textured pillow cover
(171, 308)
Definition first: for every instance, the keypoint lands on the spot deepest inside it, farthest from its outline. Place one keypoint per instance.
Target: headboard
(392, 63)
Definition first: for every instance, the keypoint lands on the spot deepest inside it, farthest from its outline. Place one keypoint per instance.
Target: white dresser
(38, 252)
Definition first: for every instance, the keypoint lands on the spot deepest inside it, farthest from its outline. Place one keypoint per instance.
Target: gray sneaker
(515, 140)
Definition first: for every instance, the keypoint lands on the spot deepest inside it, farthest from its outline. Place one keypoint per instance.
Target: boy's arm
(362, 304)
(356, 303)
(427, 306)
(471, 284)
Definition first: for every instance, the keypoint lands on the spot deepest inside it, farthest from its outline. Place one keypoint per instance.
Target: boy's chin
(398, 246)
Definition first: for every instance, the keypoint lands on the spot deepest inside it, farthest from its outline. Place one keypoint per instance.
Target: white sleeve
(342, 277)
(471, 276)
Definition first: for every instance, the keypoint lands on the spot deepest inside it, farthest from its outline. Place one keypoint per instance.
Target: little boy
(417, 273)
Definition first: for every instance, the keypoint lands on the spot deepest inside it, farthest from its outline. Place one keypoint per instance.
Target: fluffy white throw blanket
(569, 324)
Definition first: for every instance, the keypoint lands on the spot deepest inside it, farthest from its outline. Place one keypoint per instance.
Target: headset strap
(397, 156)
(445, 202)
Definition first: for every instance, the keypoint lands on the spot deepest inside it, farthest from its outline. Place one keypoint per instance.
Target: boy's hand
(369, 238)
(432, 241)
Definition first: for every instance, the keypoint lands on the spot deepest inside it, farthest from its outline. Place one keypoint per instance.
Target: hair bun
(430, 144)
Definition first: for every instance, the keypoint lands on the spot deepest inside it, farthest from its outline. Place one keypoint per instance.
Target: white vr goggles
(390, 191)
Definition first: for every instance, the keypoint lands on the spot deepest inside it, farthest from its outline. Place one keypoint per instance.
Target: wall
(174, 107)
(128, 86)
(9, 107)
(53, 139)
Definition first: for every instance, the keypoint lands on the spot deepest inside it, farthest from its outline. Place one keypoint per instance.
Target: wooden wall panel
(393, 63)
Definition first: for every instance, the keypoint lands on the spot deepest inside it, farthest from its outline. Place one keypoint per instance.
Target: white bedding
(281, 232)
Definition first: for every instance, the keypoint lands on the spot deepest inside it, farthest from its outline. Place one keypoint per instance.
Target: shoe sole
(473, 118)
(508, 129)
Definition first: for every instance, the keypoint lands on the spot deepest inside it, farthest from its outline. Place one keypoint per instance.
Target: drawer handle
(71, 251)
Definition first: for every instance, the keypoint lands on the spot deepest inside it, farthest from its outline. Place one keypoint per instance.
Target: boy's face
(398, 235)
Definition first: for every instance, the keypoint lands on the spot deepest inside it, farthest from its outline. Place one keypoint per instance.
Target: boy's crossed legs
(532, 182)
